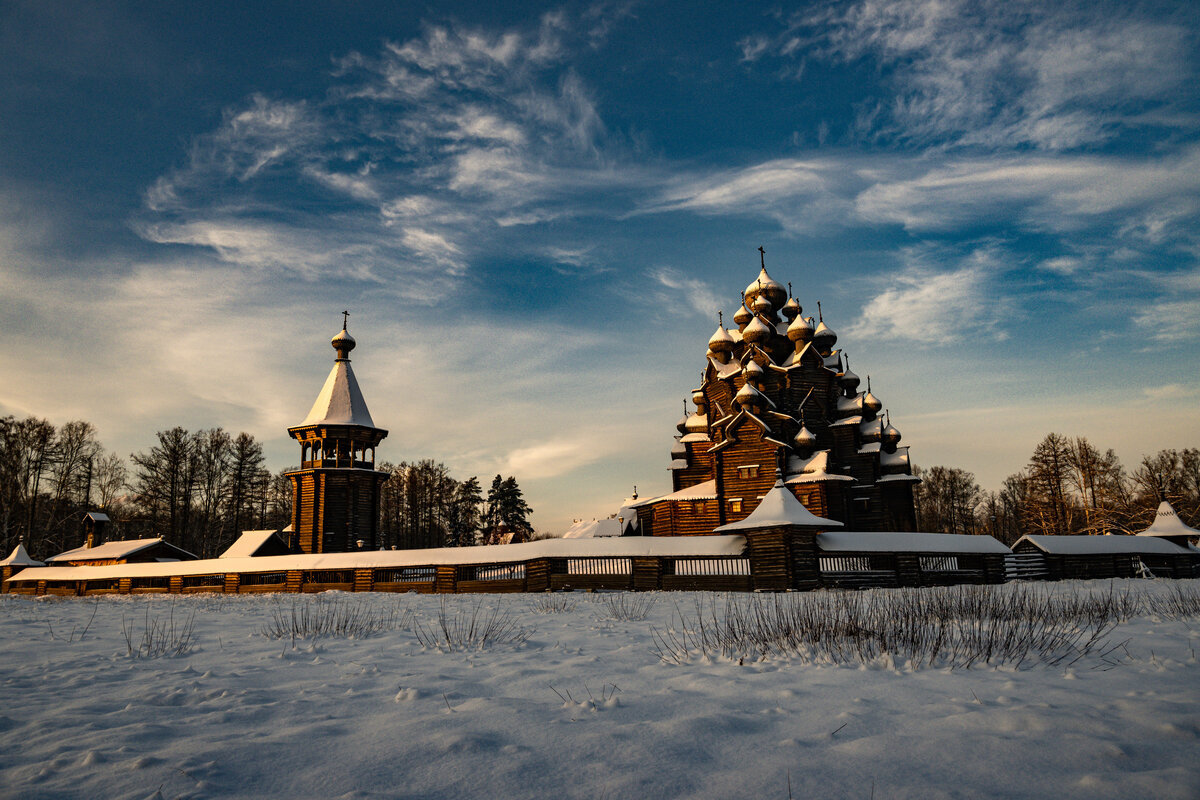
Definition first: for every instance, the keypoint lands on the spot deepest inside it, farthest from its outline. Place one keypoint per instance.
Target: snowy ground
(583, 709)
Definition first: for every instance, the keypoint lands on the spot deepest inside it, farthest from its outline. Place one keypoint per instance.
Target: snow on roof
(725, 370)
(701, 491)
(869, 447)
(678, 463)
(610, 547)
(122, 548)
(248, 544)
(847, 421)
(896, 459)
(1167, 523)
(695, 437)
(20, 558)
(813, 469)
(850, 403)
(780, 507)
(903, 478)
(340, 401)
(593, 529)
(1101, 545)
(97, 516)
(907, 542)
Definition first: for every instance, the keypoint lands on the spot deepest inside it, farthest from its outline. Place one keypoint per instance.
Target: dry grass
(958, 627)
(471, 628)
(314, 618)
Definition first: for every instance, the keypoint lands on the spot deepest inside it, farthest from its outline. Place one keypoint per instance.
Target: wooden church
(778, 399)
(336, 491)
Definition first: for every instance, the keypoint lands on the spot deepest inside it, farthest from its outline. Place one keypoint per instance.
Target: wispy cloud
(998, 73)
(927, 305)
(697, 293)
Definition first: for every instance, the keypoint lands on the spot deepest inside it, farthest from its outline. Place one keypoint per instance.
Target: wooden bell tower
(335, 505)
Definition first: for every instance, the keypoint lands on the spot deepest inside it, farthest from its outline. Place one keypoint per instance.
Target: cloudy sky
(534, 212)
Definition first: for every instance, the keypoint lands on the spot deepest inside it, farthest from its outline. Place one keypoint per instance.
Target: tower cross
(762, 256)
(345, 319)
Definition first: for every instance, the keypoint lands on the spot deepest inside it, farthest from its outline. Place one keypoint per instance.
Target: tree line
(200, 489)
(1067, 487)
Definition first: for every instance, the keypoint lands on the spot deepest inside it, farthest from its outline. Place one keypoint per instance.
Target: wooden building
(126, 551)
(776, 395)
(1067, 557)
(335, 505)
(16, 561)
(256, 544)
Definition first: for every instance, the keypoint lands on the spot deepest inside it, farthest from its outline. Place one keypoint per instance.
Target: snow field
(583, 708)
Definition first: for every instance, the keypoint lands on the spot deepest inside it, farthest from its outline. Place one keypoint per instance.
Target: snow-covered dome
(762, 305)
(697, 423)
(890, 437)
(720, 341)
(757, 331)
(805, 441)
(801, 329)
(870, 404)
(742, 316)
(849, 380)
(791, 309)
(681, 426)
(699, 399)
(824, 337)
(749, 396)
(765, 284)
(343, 343)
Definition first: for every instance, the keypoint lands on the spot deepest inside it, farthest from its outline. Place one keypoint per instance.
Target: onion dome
(757, 332)
(343, 343)
(762, 305)
(679, 450)
(801, 330)
(805, 442)
(849, 380)
(791, 309)
(824, 337)
(890, 437)
(753, 372)
(720, 341)
(765, 284)
(699, 399)
(749, 397)
(697, 423)
(743, 316)
(870, 402)
(681, 426)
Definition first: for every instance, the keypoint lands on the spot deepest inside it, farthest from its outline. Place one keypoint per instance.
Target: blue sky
(533, 213)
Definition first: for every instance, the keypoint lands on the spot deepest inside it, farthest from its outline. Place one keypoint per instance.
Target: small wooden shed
(1069, 557)
(860, 559)
(16, 561)
(126, 551)
(256, 544)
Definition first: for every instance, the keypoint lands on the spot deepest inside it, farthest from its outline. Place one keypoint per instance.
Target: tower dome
(801, 330)
(697, 423)
(753, 372)
(849, 380)
(870, 402)
(805, 442)
(343, 343)
(749, 397)
(742, 316)
(890, 436)
(791, 309)
(762, 305)
(720, 341)
(765, 284)
(681, 426)
(757, 331)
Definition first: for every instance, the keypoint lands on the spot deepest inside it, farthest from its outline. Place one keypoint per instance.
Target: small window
(699, 507)
(735, 505)
(748, 471)
(862, 505)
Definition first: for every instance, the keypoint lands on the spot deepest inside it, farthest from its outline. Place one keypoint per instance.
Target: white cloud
(1170, 321)
(1001, 73)
(925, 305)
(697, 293)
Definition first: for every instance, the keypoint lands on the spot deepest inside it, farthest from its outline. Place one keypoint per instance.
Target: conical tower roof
(1167, 523)
(20, 558)
(780, 507)
(340, 401)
